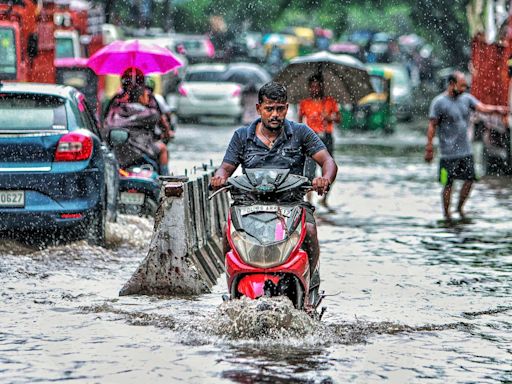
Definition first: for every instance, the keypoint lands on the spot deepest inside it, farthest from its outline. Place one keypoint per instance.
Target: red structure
(490, 80)
(27, 44)
(83, 19)
(491, 85)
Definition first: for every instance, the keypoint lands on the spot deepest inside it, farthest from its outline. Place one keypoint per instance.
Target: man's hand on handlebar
(220, 178)
(217, 182)
(321, 185)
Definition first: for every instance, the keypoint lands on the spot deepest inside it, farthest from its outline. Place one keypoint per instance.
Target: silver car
(206, 93)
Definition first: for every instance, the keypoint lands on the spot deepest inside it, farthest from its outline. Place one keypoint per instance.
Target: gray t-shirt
(452, 115)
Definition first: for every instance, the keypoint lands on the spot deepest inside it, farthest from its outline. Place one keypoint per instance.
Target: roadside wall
(185, 254)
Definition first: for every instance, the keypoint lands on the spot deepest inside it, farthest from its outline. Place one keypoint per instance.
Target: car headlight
(264, 255)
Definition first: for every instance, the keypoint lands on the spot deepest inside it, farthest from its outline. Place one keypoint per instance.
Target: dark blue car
(57, 175)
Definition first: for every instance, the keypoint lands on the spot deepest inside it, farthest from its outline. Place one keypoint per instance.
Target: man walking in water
(449, 116)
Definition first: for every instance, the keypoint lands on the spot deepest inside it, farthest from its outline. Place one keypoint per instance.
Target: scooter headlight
(264, 255)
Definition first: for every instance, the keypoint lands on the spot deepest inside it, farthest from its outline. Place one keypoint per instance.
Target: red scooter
(266, 229)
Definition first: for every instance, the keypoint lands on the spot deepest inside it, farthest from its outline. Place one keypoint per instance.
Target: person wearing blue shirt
(272, 141)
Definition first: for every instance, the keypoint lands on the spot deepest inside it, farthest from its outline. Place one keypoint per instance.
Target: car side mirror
(118, 137)
(33, 45)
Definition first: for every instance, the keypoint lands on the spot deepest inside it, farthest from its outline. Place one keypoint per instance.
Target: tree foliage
(441, 21)
(446, 21)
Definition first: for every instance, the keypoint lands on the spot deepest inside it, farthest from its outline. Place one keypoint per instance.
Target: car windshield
(205, 76)
(22, 112)
(64, 47)
(7, 53)
(377, 83)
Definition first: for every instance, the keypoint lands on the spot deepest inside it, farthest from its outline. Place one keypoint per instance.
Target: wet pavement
(413, 300)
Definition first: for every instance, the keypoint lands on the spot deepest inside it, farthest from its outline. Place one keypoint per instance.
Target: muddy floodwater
(413, 300)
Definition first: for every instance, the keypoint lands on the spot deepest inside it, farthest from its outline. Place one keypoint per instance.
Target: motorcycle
(132, 128)
(139, 188)
(266, 228)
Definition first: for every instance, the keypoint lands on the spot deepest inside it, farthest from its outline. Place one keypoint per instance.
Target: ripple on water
(269, 322)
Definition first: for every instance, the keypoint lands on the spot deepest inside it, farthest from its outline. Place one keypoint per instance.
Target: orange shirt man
(315, 113)
(319, 113)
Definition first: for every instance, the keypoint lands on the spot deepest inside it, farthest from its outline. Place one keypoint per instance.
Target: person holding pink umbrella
(116, 57)
(136, 109)
(134, 59)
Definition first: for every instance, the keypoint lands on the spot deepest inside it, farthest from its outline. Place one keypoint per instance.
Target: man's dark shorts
(462, 168)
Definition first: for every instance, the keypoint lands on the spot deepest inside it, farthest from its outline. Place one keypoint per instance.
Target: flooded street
(413, 301)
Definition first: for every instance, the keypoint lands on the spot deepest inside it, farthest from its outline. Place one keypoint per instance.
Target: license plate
(264, 208)
(133, 198)
(12, 198)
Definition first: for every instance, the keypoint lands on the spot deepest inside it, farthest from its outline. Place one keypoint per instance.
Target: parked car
(196, 48)
(402, 99)
(205, 92)
(57, 174)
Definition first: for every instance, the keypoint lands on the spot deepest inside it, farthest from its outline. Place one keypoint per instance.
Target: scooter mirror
(118, 137)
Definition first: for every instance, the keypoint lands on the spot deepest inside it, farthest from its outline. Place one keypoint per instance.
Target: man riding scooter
(272, 141)
(137, 111)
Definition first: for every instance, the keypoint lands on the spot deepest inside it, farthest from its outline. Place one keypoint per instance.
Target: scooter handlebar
(222, 189)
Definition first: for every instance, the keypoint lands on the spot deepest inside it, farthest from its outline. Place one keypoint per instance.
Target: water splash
(129, 230)
(269, 318)
(131, 317)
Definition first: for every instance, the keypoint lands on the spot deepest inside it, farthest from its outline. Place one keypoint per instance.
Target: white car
(205, 93)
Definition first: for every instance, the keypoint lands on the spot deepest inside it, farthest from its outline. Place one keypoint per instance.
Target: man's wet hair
(273, 91)
(453, 77)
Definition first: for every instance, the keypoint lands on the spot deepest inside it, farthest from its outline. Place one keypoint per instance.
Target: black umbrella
(345, 78)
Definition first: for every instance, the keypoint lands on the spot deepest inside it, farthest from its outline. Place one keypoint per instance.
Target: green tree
(446, 22)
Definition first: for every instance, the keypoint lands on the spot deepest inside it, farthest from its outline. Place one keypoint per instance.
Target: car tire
(96, 231)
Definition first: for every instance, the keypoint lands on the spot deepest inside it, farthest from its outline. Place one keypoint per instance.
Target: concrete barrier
(185, 254)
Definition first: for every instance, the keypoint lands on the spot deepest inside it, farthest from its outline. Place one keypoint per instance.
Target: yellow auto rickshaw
(289, 44)
(373, 112)
(306, 37)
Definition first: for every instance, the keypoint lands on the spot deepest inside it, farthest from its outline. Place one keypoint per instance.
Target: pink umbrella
(116, 57)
